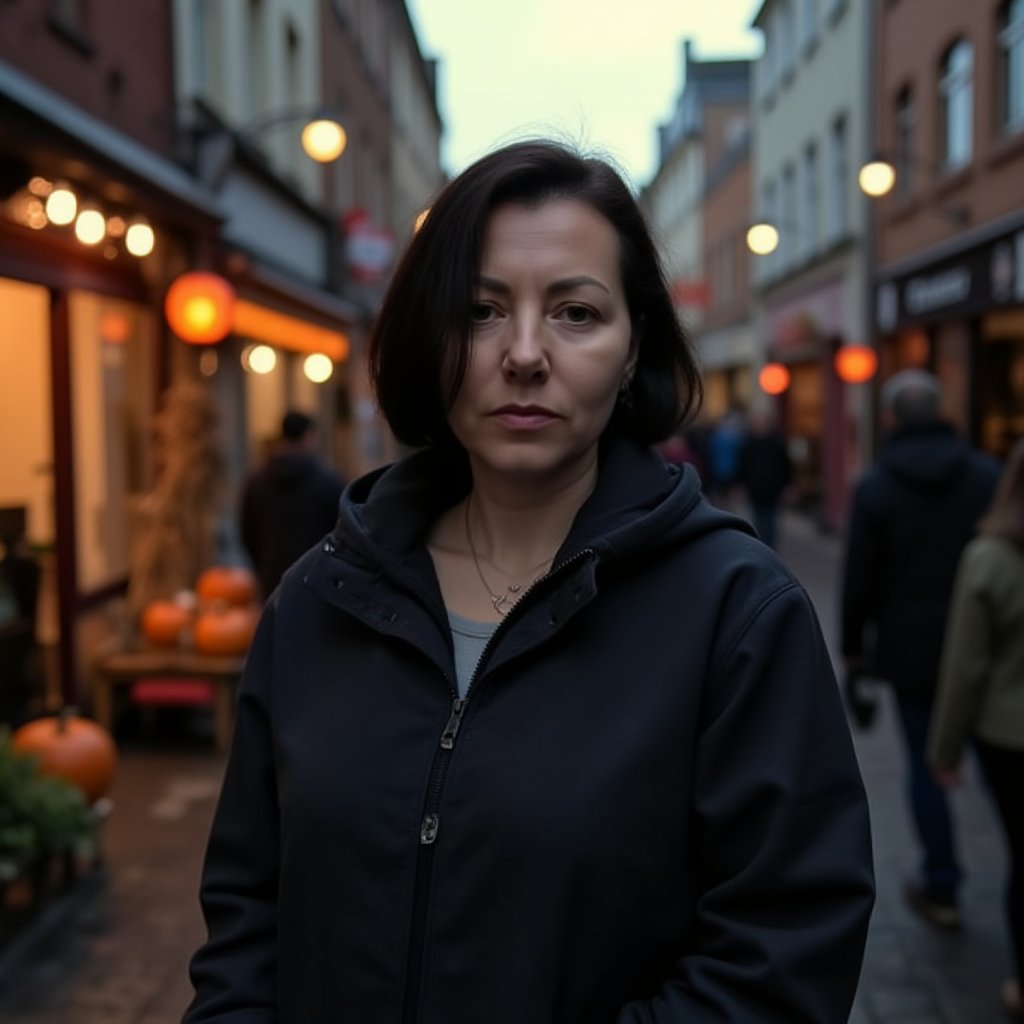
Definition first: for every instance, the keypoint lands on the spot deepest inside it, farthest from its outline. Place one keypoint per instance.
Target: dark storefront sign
(984, 277)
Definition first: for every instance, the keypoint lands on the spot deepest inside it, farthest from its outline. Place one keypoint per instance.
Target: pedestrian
(725, 439)
(912, 515)
(981, 684)
(537, 734)
(764, 472)
(290, 502)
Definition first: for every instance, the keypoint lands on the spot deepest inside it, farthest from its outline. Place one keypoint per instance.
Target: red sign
(369, 249)
(691, 293)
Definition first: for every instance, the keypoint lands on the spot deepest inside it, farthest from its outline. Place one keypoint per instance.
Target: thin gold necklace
(501, 602)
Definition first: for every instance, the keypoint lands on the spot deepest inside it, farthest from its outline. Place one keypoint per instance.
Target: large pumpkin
(226, 584)
(165, 622)
(71, 748)
(226, 631)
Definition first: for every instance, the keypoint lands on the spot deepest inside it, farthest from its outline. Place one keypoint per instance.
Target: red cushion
(173, 692)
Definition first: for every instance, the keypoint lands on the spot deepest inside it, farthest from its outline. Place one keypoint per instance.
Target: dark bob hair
(419, 348)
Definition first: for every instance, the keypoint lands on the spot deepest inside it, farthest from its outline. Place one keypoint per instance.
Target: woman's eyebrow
(565, 284)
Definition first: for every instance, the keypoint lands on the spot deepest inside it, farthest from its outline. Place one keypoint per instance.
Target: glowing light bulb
(90, 227)
(317, 367)
(139, 239)
(61, 206)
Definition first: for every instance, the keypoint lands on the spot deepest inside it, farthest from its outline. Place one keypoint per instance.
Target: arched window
(956, 99)
(1011, 66)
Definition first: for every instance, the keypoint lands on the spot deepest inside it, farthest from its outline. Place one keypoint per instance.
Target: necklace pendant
(498, 600)
(513, 589)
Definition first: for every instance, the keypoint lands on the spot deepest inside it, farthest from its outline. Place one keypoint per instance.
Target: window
(789, 225)
(906, 125)
(809, 196)
(766, 65)
(956, 97)
(255, 62)
(787, 40)
(808, 25)
(1011, 66)
(839, 173)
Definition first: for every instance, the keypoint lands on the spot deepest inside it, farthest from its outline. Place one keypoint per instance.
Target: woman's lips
(531, 417)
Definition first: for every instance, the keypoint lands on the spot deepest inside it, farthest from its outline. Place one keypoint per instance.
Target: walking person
(913, 513)
(981, 685)
(289, 503)
(537, 735)
(764, 472)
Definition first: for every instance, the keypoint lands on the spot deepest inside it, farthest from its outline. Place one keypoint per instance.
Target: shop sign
(979, 279)
(369, 250)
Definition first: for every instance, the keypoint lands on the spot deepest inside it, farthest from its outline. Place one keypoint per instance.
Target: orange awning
(289, 332)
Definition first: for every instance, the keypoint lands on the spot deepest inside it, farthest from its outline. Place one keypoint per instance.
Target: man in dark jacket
(764, 472)
(289, 503)
(913, 514)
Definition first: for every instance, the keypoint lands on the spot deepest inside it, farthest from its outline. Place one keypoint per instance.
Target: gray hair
(912, 396)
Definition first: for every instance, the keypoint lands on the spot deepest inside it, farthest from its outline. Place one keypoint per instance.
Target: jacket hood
(927, 456)
(641, 505)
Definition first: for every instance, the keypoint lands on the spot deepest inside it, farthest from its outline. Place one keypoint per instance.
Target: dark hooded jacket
(288, 505)
(912, 515)
(647, 809)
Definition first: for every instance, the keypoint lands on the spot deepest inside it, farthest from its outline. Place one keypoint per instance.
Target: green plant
(39, 816)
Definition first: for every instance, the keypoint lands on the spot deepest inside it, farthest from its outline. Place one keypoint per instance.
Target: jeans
(928, 802)
(1003, 769)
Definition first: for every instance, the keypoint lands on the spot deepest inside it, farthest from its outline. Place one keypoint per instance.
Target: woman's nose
(525, 357)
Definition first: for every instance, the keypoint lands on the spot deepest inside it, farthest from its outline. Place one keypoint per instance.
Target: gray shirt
(469, 638)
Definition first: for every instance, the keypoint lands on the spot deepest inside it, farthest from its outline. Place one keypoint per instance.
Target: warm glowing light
(115, 328)
(876, 178)
(773, 378)
(762, 239)
(324, 140)
(116, 226)
(35, 214)
(200, 307)
(139, 239)
(317, 367)
(39, 186)
(90, 227)
(61, 206)
(282, 330)
(260, 359)
(856, 364)
(420, 219)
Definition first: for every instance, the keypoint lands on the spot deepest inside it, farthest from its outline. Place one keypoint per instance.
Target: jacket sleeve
(966, 664)
(234, 971)
(859, 575)
(784, 848)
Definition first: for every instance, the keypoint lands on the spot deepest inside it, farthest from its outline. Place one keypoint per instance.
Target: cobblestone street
(122, 958)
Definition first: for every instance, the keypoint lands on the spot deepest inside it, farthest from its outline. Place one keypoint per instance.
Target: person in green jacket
(981, 683)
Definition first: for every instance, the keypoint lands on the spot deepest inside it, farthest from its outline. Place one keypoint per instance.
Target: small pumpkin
(224, 631)
(71, 748)
(227, 584)
(165, 622)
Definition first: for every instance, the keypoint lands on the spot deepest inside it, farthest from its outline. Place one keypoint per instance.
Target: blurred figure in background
(913, 513)
(764, 472)
(289, 503)
(724, 441)
(981, 684)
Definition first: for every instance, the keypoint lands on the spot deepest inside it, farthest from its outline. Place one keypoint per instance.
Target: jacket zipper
(430, 823)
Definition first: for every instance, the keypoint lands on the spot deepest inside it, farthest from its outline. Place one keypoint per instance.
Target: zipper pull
(428, 830)
(451, 730)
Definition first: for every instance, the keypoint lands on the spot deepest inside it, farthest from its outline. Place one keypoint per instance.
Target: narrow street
(123, 957)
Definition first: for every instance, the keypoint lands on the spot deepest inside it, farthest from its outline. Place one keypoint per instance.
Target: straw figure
(176, 522)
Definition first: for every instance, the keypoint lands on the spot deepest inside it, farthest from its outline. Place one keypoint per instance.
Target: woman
(536, 735)
(981, 683)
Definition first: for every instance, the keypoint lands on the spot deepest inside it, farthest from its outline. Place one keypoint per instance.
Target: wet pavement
(121, 958)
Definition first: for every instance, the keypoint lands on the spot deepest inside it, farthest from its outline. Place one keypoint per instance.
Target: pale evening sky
(594, 72)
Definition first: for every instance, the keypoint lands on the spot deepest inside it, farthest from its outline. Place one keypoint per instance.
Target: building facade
(810, 136)
(138, 142)
(949, 278)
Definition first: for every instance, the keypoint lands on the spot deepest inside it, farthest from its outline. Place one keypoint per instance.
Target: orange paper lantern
(856, 364)
(773, 378)
(200, 307)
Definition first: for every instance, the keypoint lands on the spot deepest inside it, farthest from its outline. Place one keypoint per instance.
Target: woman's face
(551, 342)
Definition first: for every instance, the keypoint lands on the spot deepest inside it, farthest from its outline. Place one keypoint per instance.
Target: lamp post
(323, 136)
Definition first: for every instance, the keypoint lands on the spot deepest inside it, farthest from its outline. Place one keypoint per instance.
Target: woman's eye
(578, 315)
(482, 312)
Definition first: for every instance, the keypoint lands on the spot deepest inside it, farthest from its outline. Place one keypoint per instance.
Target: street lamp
(323, 135)
(762, 238)
(878, 176)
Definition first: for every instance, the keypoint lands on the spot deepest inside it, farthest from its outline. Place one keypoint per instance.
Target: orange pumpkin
(226, 631)
(71, 748)
(164, 622)
(227, 584)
